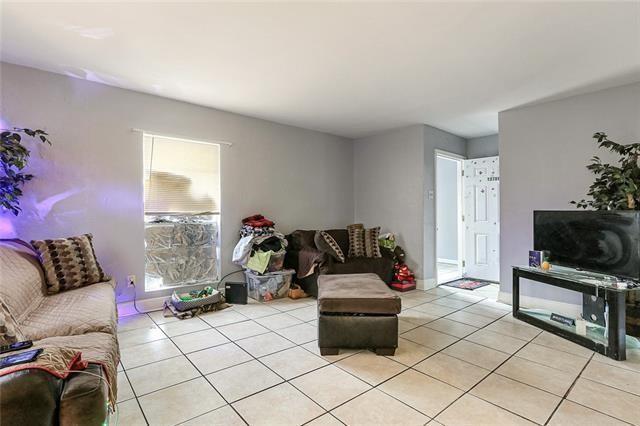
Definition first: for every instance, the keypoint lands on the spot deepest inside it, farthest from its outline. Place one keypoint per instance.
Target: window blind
(180, 176)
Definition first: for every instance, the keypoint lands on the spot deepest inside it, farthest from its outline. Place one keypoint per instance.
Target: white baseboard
(144, 305)
(449, 261)
(426, 284)
(567, 309)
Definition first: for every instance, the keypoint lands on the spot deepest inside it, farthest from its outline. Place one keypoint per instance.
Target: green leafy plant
(14, 157)
(616, 187)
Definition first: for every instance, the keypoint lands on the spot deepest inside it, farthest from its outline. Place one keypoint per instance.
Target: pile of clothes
(257, 225)
(261, 248)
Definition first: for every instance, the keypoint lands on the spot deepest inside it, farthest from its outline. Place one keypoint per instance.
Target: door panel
(481, 188)
(482, 247)
(480, 213)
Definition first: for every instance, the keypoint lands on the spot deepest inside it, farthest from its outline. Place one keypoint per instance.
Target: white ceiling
(348, 69)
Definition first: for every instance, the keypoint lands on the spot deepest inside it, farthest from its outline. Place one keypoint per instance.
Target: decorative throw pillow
(9, 331)
(356, 240)
(327, 244)
(69, 263)
(371, 244)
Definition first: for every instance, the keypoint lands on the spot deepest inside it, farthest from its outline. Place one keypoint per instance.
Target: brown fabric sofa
(83, 319)
(304, 239)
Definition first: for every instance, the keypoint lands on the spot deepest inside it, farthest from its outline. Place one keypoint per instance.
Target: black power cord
(230, 273)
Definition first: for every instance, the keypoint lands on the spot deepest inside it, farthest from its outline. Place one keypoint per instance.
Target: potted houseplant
(617, 186)
(14, 157)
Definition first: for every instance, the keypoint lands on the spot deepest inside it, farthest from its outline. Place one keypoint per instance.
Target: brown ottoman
(357, 311)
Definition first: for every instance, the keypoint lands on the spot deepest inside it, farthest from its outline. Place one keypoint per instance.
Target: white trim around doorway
(438, 153)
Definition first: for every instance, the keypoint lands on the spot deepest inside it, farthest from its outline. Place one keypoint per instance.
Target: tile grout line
(233, 341)
(259, 361)
(377, 386)
(564, 397)
(203, 376)
(490, 372)
(253, 358)
(468, 392)
(405, 369)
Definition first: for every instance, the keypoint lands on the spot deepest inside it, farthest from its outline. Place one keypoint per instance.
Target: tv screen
(600, 241)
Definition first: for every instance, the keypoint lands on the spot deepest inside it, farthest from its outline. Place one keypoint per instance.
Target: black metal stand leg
(616, 328)
(515, 291)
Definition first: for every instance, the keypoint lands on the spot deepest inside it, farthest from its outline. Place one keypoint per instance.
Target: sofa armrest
(30, 397)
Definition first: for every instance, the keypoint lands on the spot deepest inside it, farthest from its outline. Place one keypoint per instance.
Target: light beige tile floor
(462, 360)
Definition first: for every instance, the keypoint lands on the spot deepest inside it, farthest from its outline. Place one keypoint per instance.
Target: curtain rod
(178, 137)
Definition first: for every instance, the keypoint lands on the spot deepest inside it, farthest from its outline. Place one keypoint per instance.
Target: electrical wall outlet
(131, 280)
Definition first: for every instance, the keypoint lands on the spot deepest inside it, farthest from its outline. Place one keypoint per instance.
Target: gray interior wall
(434, 139)
(447, 209)
(90, 180)
(485, 146)
(388, 187)
(543, 152)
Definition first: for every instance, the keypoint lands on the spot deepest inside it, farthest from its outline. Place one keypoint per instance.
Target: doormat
(467, 284)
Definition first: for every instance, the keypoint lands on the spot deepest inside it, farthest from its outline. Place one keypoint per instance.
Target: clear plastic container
(273, 285)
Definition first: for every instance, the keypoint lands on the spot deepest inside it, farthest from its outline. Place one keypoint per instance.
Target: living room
(285, 115)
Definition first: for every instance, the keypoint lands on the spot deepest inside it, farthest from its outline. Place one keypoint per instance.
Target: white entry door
(481, 188)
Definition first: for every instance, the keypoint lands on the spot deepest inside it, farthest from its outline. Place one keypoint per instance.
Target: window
(182, 210)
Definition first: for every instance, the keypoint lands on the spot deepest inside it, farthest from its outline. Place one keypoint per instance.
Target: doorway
(467, 199)
(449, 208)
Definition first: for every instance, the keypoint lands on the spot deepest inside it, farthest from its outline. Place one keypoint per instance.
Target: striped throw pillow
(356, 240)
(326, 243)
(371, 244)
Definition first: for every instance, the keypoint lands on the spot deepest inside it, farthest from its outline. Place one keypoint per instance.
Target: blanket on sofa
(96, 348)
(308, 259)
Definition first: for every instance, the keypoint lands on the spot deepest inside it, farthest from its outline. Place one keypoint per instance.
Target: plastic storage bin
(273, 285)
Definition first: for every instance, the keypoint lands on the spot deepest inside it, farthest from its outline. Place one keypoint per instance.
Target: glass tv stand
(610, 340)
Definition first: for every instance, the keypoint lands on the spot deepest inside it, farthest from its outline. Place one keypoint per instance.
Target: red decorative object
(403, 278)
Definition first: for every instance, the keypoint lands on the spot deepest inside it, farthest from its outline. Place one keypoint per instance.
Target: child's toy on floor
(403, 278)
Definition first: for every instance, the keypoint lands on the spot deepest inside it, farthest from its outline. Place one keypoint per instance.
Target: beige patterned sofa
(84, 320)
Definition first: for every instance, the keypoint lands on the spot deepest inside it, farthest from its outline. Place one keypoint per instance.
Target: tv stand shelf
(612, 342)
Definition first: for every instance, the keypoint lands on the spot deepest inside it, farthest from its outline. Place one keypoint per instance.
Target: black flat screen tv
(606, 242)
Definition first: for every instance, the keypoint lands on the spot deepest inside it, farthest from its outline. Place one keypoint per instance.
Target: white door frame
(458, 158)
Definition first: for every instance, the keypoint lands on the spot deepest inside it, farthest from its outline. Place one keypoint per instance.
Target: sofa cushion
(21, 280)
(356, 294)
(356, 240)
(381, 266)
(84, 310)
(69, 263)
(327, 244)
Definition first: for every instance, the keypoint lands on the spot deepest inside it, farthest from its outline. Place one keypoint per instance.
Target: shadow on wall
(167, 192)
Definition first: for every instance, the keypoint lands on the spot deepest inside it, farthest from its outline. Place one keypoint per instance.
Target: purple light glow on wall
(7, 230)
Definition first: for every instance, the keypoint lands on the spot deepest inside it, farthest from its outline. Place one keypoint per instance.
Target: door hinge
(463, 218)
(464, 263)
(463, 173)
